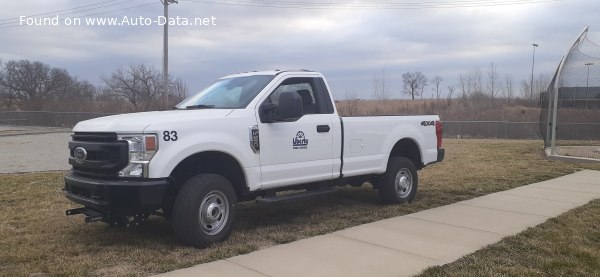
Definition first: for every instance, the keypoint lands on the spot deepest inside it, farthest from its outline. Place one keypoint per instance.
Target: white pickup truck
(245, 137)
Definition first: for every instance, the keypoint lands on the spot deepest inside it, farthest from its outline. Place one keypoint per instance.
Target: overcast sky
(349, 41)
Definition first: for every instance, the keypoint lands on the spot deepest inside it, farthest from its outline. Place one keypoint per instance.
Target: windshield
(230, 93)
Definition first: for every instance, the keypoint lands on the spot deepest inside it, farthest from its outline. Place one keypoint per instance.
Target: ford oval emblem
(80, 154)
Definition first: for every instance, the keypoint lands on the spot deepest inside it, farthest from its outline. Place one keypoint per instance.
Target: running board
(295, 196)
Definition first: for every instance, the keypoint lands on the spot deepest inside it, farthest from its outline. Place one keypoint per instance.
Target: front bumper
(124, 197)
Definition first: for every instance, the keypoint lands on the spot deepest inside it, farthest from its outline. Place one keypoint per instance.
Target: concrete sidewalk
(406, 245)
(33, 153)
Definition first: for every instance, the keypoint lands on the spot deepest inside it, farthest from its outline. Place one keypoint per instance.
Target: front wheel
(204, 210)
(399, 182)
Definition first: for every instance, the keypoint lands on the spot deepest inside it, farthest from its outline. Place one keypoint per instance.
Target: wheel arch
(408, 148)
(215, 162)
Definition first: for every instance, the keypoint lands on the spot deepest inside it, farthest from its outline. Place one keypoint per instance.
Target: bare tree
(349, 106)
(178, 91)
(108, 102)
(470, 83)
(477, 81)
(34, 85)
(26, 82)
(437, 80)
(413, 83)
(492, 84)
(508, 90)
(464, 85)
(540, 84)
(5, 96)
(139, 84)
(525, 90)
(380, 86)
(142, 86)
(424, 82)
(451, 90)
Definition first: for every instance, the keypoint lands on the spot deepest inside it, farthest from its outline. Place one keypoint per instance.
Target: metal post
(166, 53)
(549, 91)
(554, 115)
(587, 85)
(532, 66)
(548, 137)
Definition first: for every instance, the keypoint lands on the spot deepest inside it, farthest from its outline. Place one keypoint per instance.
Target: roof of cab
(267, 72)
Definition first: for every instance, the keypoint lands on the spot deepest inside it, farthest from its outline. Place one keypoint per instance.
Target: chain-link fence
(491, 129)
(48, 119)
(570, 113)
(452, 129)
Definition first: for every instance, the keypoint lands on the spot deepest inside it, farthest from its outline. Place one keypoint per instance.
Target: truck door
(299, 151)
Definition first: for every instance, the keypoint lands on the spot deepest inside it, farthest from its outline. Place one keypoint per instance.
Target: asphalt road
(33, 149)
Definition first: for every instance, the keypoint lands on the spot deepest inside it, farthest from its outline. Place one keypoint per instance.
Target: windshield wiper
(201, 106)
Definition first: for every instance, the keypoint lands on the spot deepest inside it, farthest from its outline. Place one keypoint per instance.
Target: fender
(421, 135)
(399, 133)
(230, 137)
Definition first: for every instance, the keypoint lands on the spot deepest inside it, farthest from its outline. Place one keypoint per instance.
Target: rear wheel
(399, 182)
(204, 210)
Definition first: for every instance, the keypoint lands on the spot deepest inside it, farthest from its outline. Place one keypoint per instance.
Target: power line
(124, 9)
(59, 11)
(293, 5)
(385, 6)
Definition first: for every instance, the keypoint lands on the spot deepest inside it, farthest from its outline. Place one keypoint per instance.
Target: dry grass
(455, 110)
(36, 236)
(470, 109)
(568, 245)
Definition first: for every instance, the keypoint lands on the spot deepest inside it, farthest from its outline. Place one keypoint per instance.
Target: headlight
(141, 150)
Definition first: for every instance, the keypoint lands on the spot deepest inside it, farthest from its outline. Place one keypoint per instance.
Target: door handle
(323, 128)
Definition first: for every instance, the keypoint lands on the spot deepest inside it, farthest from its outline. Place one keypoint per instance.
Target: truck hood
(137, 122)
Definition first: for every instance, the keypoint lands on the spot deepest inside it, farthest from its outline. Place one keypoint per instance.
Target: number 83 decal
(170, 136)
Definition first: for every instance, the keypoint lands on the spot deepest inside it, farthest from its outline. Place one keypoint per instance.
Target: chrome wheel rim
(403, 182)
(214, 212)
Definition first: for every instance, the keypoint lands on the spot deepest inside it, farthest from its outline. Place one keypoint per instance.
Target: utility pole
(166, 52)
(532, 66)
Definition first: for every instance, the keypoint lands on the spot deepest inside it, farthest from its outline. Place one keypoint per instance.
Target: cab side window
(309, 89)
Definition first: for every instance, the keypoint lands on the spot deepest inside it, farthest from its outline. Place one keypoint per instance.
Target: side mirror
(268, 112)
(289, 108)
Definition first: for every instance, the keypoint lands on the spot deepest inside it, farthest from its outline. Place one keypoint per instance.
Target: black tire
(204, 210)
(403, 190)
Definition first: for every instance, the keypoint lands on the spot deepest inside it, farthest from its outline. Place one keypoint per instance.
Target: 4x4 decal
(427, 123)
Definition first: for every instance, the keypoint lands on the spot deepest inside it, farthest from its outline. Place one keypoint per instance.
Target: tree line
(474, 84)
(34, 86)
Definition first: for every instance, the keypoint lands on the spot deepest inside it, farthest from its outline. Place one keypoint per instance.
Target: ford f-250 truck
(244, 137)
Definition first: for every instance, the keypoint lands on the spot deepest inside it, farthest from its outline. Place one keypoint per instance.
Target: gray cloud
(349, 46)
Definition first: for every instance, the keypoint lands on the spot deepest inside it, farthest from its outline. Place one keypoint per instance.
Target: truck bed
(368, 140)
